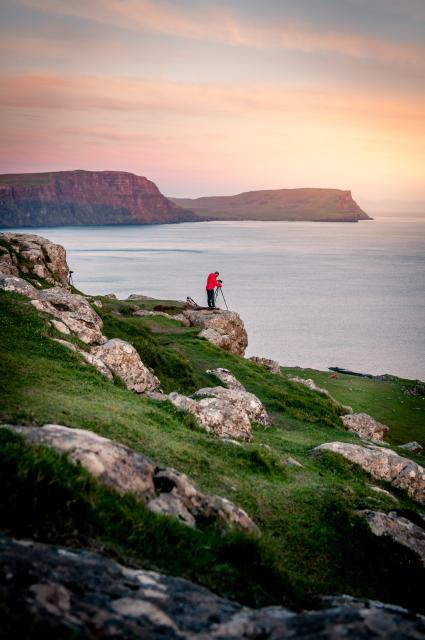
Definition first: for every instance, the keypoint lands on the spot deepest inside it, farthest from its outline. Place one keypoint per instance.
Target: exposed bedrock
(78, 593)
(35, 256)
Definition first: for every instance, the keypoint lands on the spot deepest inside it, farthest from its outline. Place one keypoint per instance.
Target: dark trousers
(211, 297)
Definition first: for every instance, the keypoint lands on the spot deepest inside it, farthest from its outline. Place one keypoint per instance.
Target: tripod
(220, 289)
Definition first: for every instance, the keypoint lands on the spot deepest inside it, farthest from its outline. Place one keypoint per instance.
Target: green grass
(312, 542)
(385, 400)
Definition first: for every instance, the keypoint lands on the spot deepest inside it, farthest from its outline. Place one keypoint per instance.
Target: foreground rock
(241, 400)
(216, 415)
(225, 329)
(35, 256)
(272, 365)
(365, 426)
(123, 359)
(382, 464)
(399, 529)
(163, 489)
(69, 592)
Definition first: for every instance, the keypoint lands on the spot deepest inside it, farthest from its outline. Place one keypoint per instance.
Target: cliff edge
(84, 198)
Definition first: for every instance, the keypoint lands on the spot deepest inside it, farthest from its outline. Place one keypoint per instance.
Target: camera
(220, 281)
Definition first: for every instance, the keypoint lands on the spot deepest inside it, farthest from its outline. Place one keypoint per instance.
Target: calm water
(310, 294)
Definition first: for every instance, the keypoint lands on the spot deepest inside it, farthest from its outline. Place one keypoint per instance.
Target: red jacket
(212, 282)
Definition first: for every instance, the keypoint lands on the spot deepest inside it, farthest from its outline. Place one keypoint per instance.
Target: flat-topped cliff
(333, 205)
(84, 197)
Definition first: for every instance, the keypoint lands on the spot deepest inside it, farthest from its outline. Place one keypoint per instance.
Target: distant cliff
(84, 197)
(322, 205)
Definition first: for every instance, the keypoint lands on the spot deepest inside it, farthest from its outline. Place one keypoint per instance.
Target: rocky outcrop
(163, 490)
(242, 400)
(88, 357)
(216, 415)
(123, 359)
(271, 365)
(75, 593)
(365, 426)
(399, 529)
(84, 197)
(382, 464)
(225, 329)
(310, 384)
(34, 256)
(71, 312)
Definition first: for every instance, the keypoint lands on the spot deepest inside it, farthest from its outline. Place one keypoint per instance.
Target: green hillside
(312, 540)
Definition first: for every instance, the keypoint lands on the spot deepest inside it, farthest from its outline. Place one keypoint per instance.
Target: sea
(310, 294)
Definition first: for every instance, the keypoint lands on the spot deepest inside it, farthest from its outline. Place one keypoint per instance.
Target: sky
(216, 98)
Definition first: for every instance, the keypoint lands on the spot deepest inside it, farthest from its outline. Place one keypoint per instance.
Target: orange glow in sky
(209, 98)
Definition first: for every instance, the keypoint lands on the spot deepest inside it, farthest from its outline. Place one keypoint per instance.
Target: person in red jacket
(212, 283)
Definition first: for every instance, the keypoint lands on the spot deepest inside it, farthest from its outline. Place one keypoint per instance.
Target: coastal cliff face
(333, 205)
(84, 197)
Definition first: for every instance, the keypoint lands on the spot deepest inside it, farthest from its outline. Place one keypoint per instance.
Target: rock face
(82, 594)
(33, 255)
(164, 490)
(399, 529)
(332, 205)
(84, 197)
(123, 359)
(365, 426)
(225, 329)
(267, 363)
(383, 464)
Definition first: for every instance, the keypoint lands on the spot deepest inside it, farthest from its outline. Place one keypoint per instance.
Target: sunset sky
(211, 98)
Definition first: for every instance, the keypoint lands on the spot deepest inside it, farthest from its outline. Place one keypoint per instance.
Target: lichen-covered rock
(38, 257)
(225, 329)
(15, 284)
(241, 400)
(164, 490)
(382, 464)
(271, 365)
(365, 426)
(227, 378)
(123, 359)
(216, 415)
(75, 593)
(74, 311)
(88, 357)
(399, 529)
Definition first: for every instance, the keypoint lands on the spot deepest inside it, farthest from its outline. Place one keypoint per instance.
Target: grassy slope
(312, 540)
(385, 400)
